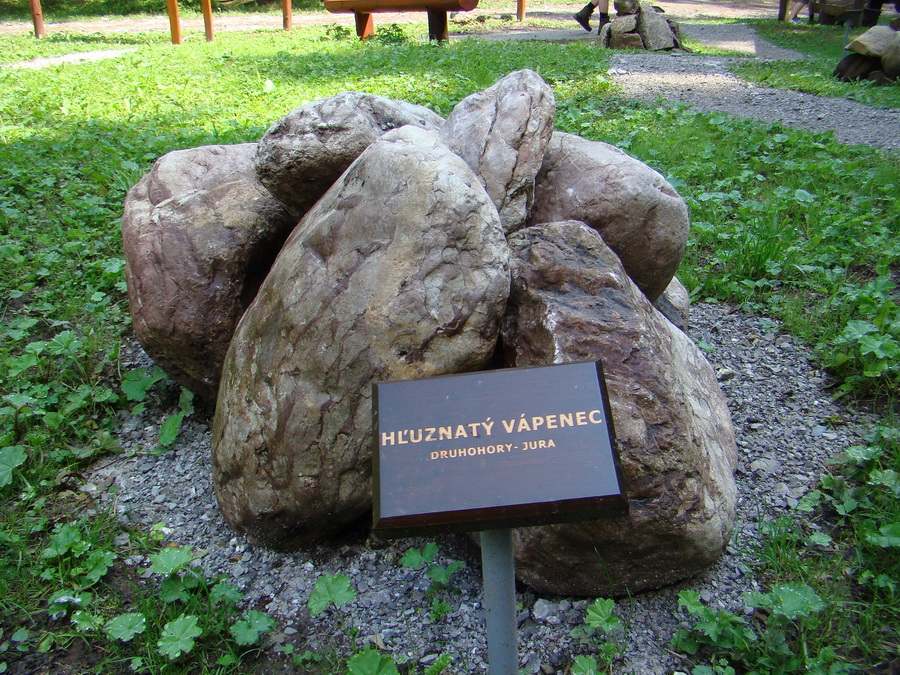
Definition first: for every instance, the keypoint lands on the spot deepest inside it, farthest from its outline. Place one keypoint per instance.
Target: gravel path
(705, 83)
(787, 428)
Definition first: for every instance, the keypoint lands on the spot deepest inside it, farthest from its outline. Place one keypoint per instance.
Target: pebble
(780, 460)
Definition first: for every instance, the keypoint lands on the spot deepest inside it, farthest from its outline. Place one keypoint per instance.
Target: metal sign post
(490, 451)
(498, 574)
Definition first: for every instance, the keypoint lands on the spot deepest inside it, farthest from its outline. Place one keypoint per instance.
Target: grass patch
(785, 222)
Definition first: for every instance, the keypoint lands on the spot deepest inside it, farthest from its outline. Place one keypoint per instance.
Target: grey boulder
(637, 212)
(305, 152)
(501, 133)
(199, 234)
(572, 301)
(400, 271)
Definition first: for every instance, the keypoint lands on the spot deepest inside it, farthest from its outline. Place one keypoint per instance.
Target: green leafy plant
(390, 34)
(440, 575)
(371, 662)
(781, 644)
(812, 215)
(330, 590)
(338, 33)
(249, 629)
(604, 631)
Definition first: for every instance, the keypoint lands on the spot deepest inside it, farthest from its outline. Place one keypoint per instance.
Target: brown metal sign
(494, 449)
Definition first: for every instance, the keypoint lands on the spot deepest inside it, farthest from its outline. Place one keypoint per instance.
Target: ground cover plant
(786, 223)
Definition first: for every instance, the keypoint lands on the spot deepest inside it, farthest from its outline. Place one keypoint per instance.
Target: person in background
(584, 15)
(796, 6)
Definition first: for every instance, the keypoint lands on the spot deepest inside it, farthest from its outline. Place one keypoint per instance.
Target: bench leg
(365, 25)
(437, 25)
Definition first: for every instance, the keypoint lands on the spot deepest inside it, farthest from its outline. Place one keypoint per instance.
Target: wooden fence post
(174, 21)
(37, 17)
(287, 17)
(206, 5)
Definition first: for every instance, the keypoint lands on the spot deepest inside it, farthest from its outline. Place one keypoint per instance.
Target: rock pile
(640, 25)
(424, 247)
(875, 56)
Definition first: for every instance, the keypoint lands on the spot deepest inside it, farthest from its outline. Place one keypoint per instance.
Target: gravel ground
(787, 428)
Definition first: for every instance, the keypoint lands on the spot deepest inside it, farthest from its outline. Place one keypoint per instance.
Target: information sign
(494, 449)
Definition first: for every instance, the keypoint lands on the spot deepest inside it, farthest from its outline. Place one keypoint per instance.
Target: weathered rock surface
(654, 29)
(623, 33)
(571, 301)
(501, 133)
(199, 235)
(675, 304)
(890, 60)
(626, 7)
(639, 215)
(303, 153)
(874, 42)
(400, 271)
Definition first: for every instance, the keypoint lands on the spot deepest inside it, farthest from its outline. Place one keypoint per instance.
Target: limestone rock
(400, 271)
(199, 235)
(571, 301)
(623, 24)
(676, 33)
(501, 133)
(890, 60)
(874, 42)
(639, 215)
(654, 29)
(624, 7)
(856, 67)
(675, 304)
(626, 41)
(605, 32)
(623, 33)
(303, 153)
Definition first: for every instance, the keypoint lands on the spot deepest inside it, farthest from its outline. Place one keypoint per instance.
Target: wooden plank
(365, 26)
(493, 450)
(370, 6)
(437, 25)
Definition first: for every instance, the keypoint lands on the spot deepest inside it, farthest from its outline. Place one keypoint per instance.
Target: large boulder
(199, 235)
(400, 271)
(623, 33)
(890, 59)
(303, 153)
(675, 304)
(572, 301)
(639, 215)
(654, 29)
(501, 133)
(874, 42)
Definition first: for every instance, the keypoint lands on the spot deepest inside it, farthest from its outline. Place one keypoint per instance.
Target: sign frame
(579, 458)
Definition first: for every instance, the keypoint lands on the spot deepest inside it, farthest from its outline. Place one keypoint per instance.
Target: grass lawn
(786, 223)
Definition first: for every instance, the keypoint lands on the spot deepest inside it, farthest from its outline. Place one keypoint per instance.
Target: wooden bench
(436, 9)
